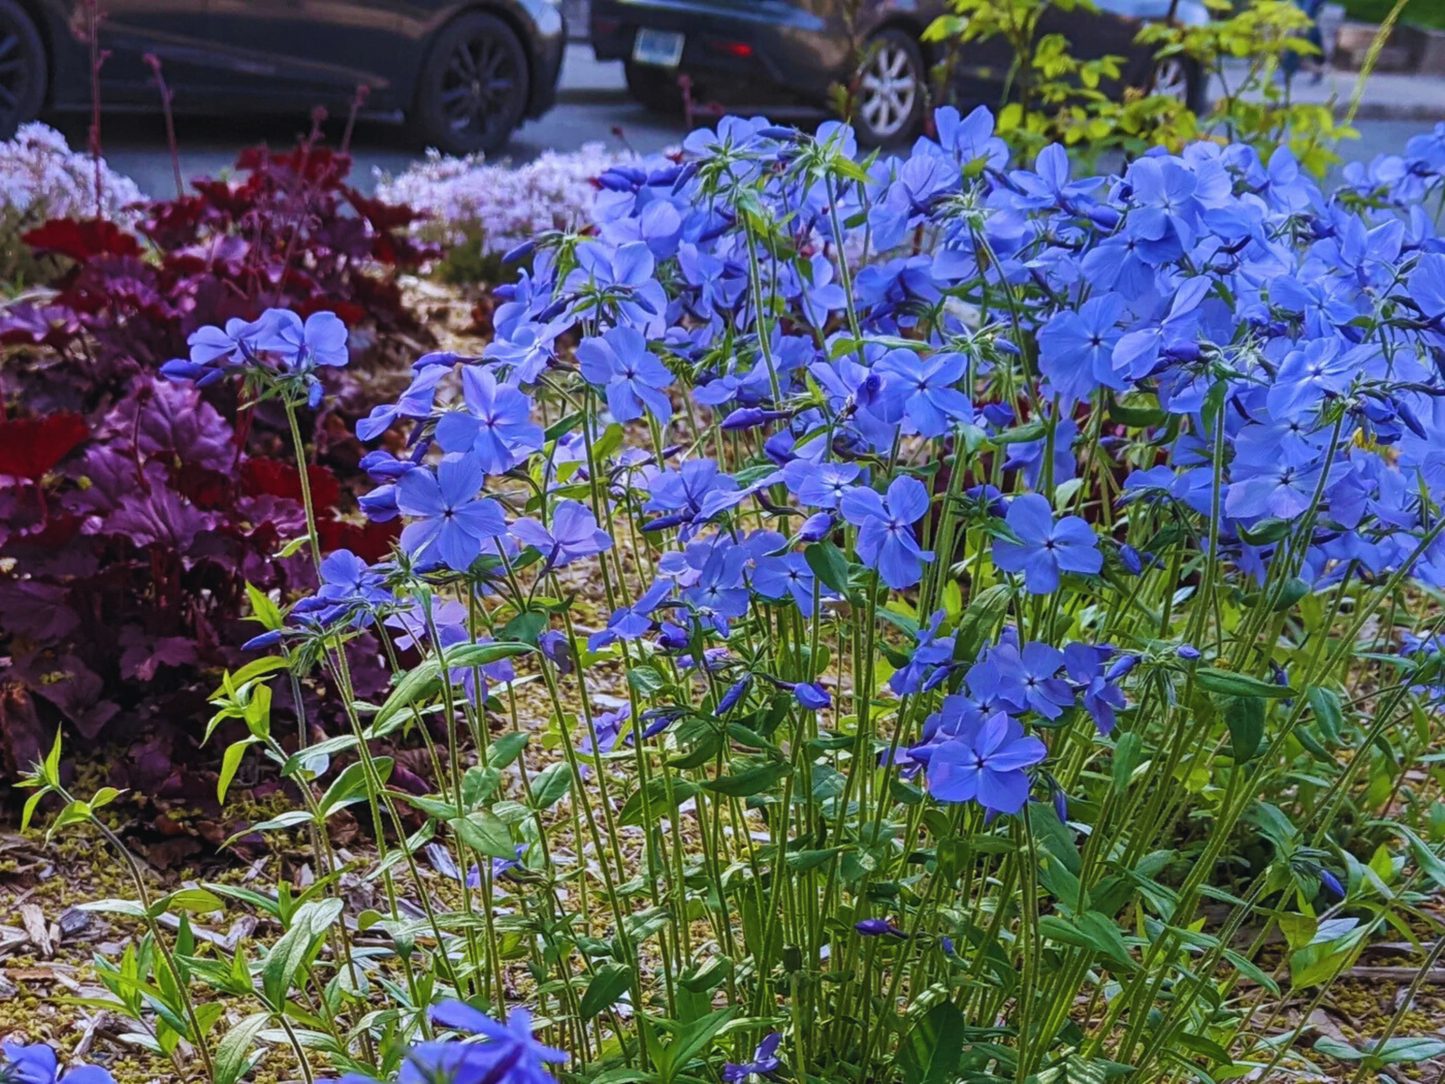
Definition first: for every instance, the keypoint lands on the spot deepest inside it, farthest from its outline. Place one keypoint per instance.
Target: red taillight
(739, 49)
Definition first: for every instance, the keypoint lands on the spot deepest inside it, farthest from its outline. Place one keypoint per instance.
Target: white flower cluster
(499, 205)
(42, 178)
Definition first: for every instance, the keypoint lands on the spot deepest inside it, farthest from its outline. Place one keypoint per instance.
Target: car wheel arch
(36, 11)
(502, 11)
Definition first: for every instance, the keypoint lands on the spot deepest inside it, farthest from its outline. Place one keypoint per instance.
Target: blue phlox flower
(1076, 348)
(820, 485)
(496, 427)
(930, 663)
(318, 341)
(985, 763)
(632, 377)
(416, 402)
(450, 520)
(787, 576)
(885, 529)
(921, 390)
(968, 140)
(574, 534)
(1046, 548)
(511, 1055)
(36, 1063)
(765, 1063)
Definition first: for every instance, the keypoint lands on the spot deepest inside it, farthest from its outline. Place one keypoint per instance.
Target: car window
(1187, 11)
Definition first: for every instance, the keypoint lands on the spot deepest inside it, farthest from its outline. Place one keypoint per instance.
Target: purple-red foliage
(133, 511)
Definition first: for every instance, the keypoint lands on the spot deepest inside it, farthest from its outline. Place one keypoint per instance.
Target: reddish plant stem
(318, 115)
(166, 95)
(362, 93)
(97, 58)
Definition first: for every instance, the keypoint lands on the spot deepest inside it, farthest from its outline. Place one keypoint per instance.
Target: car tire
(892, 89)
(655, 89)
(473, 88)
(23, 69)
(1179, 77)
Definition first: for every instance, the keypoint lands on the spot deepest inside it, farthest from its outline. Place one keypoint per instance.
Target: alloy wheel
(1171, 79)
(888, 89)
(479, 82)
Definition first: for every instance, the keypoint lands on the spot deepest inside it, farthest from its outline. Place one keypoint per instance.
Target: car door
(296, 53)
(173, 31)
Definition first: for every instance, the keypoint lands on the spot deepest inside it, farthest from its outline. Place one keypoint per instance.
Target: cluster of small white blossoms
(42, 178)
(501, 205)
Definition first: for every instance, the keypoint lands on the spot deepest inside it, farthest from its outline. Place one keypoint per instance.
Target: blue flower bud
(1331, 882)
(520, 253)
(811, 696)
(271, 639)
(730, 698)
(1122, 665)
(380, 504)
(817, 527)
(1130, 559)
(877, 927)
(1188, 652)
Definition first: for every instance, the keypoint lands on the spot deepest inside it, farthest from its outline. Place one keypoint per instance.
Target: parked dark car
(761, 50)
(464, 73)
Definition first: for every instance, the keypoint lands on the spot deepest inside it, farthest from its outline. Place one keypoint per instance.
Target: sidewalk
(589, 81)
(1387, 95)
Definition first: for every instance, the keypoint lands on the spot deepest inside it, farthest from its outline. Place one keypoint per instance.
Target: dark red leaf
(30, 447)
(272, 476)
(371, 542)
(82, 239)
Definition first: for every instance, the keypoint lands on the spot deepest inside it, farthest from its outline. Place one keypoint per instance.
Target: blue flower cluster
(916, 370)
(38, 1064)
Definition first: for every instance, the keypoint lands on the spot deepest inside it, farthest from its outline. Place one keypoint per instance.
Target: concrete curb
(1412, 111)
(1419, 112)
(592, 96)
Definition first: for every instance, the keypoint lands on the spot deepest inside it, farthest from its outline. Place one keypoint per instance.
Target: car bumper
(737, 42)
(549, 45)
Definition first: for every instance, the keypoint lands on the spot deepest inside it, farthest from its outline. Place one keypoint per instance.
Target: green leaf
(605, 990)
(1408, 1048)
(1244, 715)
(234, 1053)
(1329, 712)
(694, 1039)
(930, 1052)
(486, 833)
(658, 802)
(129, 908)
(263, 609)
(1232, 684)
(1429, 862)
(322, 748)
(829, 565)
(197, 900)
(550, 786)
(985, 610)
(1128, 755)
(506, 749)
(230, 765)
(351, 785)
(294, 947)
(753, 781)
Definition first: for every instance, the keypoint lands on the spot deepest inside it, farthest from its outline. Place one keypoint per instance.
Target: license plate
(662, 48)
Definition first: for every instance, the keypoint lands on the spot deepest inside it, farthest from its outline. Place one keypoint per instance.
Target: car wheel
(473, 90)
(22, 69)
(1178, 77)
(654, 88)
(890, 99)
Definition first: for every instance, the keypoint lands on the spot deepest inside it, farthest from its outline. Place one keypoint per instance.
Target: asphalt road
(594, 107)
